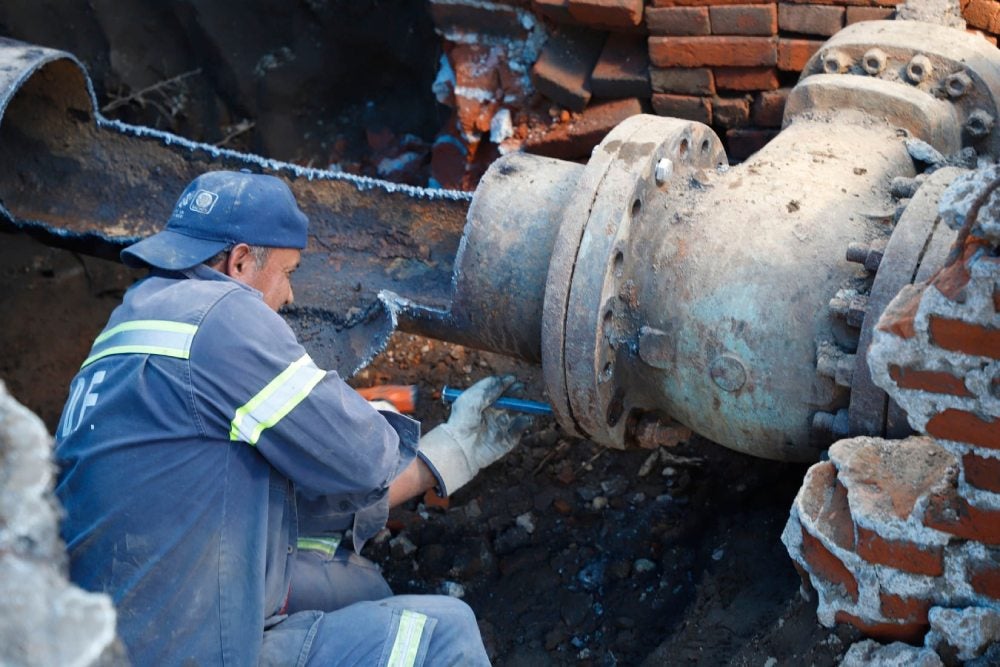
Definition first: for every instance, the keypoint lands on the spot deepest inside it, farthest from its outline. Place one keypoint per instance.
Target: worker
(198, 427)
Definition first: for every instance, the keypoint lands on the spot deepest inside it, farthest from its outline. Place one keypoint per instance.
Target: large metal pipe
(654, 283)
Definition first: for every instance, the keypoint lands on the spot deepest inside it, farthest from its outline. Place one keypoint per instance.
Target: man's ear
(240, 263)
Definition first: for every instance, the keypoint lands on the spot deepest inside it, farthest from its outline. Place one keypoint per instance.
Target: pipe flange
(589, 320)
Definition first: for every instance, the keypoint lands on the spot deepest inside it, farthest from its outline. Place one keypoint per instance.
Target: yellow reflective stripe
(404, 649)
(326, 545)
(275, 400)
(138, 349)
(154, 325)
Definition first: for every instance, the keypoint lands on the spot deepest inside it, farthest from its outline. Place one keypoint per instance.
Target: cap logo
(204, 201)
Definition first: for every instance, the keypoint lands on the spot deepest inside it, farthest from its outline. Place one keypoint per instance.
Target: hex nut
(919, 68)
(979, 123)
(957, 84)
(835, 62)
(663, 171)
(873, 62)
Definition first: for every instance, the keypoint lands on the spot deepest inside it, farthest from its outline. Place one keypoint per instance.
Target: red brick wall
(726, 63)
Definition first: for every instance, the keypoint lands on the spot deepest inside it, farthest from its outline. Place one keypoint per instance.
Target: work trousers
(342, 612)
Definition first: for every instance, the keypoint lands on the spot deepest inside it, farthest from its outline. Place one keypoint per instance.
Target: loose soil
(568, 552)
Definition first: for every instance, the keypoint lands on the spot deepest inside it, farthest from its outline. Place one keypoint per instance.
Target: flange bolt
(869, 256)
(919, 68)
(835, 62)
(957, 84)
(828, 427)
(979, 123)
(873, 61)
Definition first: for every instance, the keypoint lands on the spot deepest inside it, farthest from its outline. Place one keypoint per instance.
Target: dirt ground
(569, 553)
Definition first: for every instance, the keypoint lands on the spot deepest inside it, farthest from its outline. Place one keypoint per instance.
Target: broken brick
(962, 426)
(961, 336)
(938, 382)
(905, 556)
(577, 138)
(898, 316)
(623, 68)
(556, 11)
(562, 71)
(830, 512)
(984, 14)
(477, 17)
(982, 472)
(950, 513)
(906, 609)
(911, 633)
(985, 578)
(827, 566)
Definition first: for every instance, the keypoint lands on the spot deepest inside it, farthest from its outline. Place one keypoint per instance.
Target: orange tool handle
(402, 396)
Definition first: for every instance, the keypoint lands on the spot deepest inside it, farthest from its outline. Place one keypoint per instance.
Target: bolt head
(957, 84)
(979, 123)
(663, 171)
(919, 68)
(873, 62)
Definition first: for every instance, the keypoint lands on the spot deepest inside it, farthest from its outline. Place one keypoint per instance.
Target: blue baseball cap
(218, 210)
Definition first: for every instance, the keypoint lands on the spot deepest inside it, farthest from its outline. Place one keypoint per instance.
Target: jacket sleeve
(254, 385)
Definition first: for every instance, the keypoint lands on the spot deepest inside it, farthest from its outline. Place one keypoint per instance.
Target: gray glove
(474, 436)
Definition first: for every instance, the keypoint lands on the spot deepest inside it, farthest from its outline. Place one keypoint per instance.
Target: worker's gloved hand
(474, 436)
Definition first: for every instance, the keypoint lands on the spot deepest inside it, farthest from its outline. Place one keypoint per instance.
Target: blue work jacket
(187, 431)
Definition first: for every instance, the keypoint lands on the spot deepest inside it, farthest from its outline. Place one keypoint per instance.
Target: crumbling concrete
(44, 620)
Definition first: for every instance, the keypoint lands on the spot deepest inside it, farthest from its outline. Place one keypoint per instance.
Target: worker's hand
(474, 436)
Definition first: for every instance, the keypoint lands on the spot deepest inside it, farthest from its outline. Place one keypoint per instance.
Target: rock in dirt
(971, 630)
(870, 653)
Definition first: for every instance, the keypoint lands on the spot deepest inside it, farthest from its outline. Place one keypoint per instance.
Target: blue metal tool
(449, 394)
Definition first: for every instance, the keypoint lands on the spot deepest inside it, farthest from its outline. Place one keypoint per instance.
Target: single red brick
(682, 80)
(982, 14)
(911, 633)
(985, 578)
(576, 139)
(898, 316)
(607, 13)
(906, 609)
(793, 54)
(952, 279)
(982, 472)
(731, 112)
(950, 513)
(744, 20)
(824, 564)
(744, 142)
(858, 14)
(811, 19)
(904, 556)
(769, 107)
(623, 68)
(938, 382)
(683, 106)
(678, 21)
(712, 51)
(562, 71)
(746, 78)
(966, 337)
